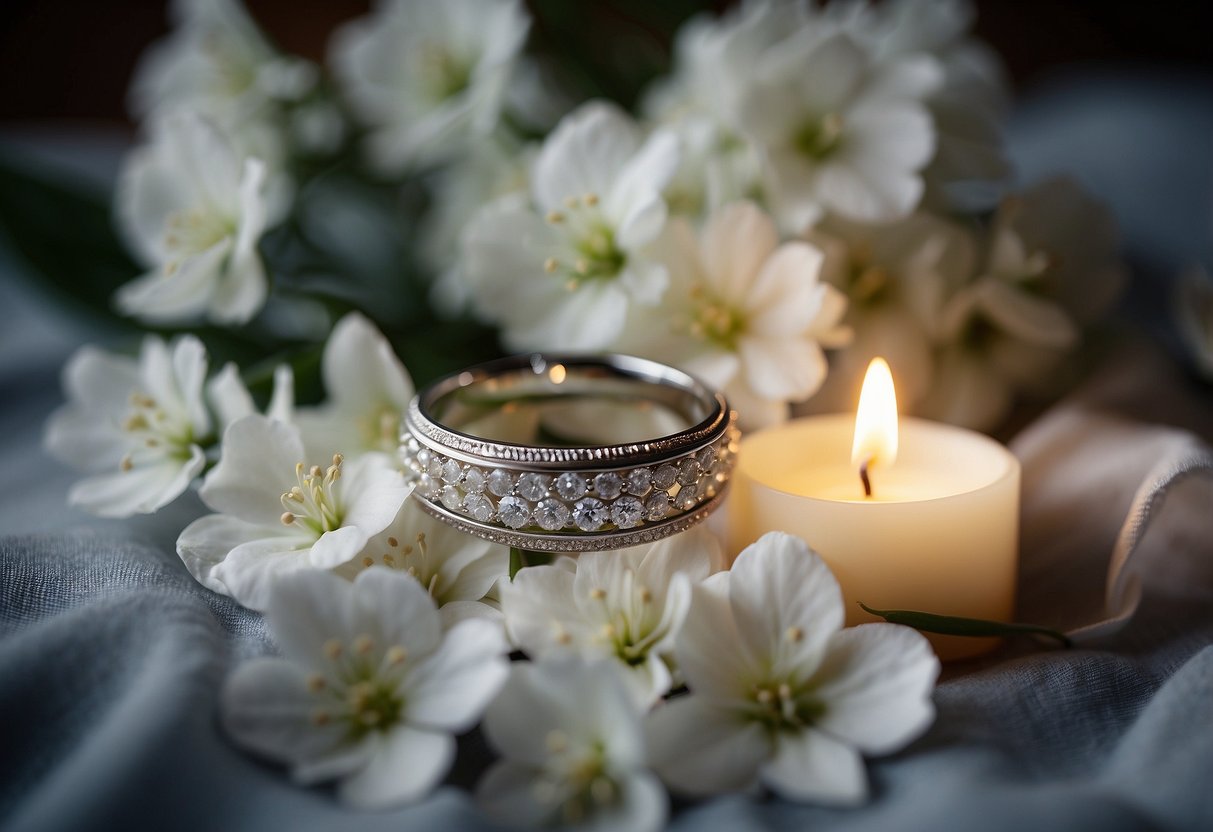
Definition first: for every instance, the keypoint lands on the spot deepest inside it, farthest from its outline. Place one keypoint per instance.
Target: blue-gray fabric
(111, 657)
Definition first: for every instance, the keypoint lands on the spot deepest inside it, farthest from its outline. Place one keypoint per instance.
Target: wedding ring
(568, 453)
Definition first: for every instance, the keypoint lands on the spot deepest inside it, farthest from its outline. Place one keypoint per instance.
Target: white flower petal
(815, 767)
(699, 749)
(642, 177)
(207, 541)
(736, 242)
(267, 708)
(256, 466)
(143, 489)
(360, 368)
(584, 154)
(537, 605)
(228, 395)
(451, 687)
(785, 297)
(710, 652)
(786, 602)
(339, 546)
(404, 766)
(875, 683)
(399, 609)
(782, 369)
(251, 570)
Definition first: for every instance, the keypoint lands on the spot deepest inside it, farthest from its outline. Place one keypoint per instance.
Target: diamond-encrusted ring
(507, 451)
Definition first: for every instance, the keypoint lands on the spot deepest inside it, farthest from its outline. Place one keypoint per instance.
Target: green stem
(951, 625)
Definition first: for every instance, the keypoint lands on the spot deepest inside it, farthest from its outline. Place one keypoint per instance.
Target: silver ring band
(574, 497)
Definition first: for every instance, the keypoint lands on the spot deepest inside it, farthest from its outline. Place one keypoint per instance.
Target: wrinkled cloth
(112, 657)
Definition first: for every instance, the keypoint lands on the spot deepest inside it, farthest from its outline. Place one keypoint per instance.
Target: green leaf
(969, 627)
(517, 561)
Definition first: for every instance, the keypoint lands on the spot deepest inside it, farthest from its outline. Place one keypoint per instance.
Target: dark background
(71, 60)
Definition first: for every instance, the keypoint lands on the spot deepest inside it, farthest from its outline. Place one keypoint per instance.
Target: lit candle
(909, 514)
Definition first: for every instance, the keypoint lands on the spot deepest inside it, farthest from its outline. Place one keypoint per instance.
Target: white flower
(137, 426)
(842, 132)
(368, 390)
(216, 62)
(896, 278)
(562, 273)
(715, 58)
(573, 751)
(369, 690)
(277, 514)
(1057, 242)
(493, 168)
(626, 605)
(743, 312)
(194, 211)
(1194, 309)
(716, 166)
(780, 694)
(424, 76)
(969, 106)
(1051, 266)
(457, 569)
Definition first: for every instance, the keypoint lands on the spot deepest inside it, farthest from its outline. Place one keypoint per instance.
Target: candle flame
(876, 419)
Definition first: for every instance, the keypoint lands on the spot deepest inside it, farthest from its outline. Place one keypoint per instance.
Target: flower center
(593, 253)
(192, 232)
(153, 433)
(362, 687)
(413, 558)
(819, 137)
(575, 784)
(629, 620)
(313, 502)
(779, 707)
(715, 321)
(445, 74)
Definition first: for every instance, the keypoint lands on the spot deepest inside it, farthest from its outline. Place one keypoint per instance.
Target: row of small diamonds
(623, 499)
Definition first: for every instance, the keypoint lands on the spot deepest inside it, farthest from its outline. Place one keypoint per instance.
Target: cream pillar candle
(939, 532)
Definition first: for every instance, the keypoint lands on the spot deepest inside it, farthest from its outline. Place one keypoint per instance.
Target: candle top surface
(811, 458)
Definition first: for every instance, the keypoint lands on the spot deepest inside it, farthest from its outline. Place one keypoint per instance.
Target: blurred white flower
(194, 211)
(1194, 309)
(780, 693)
(369, 690)
(368, 390)
(969, 106)
(626, 605)
(743, 312)
(896, 278)
(136, 425)
(424, 76)
(842, 131)
(1056, 241)
(216, 62)
(573, 750)
(714, 58)
(1051, 267)
(562, 273)
(493, 168)
(716, 167)
(278, 515)
(457, 569)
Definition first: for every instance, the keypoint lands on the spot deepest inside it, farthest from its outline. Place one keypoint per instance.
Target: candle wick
(864, 478)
